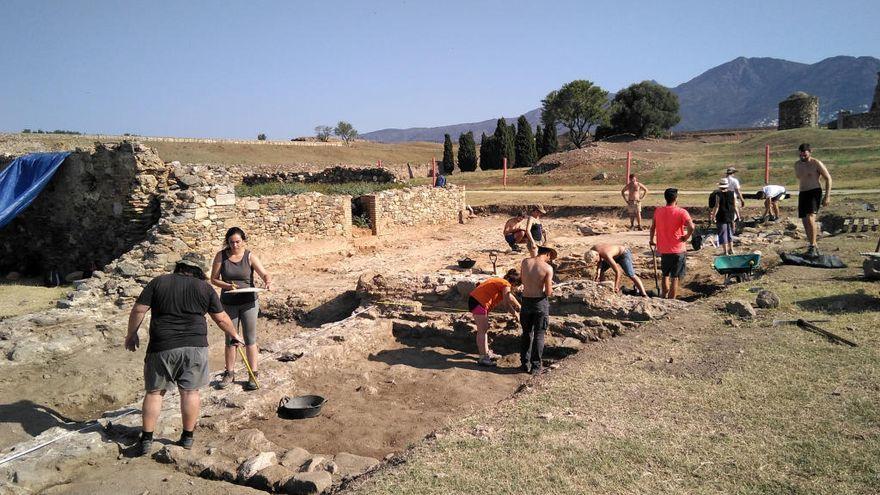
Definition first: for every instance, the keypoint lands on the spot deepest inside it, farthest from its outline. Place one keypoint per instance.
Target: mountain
(744, 92)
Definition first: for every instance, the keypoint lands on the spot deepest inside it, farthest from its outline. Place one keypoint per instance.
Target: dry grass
(688, 405)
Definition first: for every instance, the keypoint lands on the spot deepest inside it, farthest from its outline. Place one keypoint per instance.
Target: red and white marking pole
(629, 157)
(504, 175)
(433, 172)
(766, 164)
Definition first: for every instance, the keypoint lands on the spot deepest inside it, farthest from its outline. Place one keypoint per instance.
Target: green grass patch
(292, 188)
(20, 299)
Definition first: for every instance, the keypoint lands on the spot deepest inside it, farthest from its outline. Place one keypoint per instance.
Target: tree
(345, 131)
(539, 141)
(323, 132)
(551, 142)
(644, 109)
(490, 153)
(526, 154)
(261, 137)
(578, 106)
(448, 163)
(467, 152)
(506, 144)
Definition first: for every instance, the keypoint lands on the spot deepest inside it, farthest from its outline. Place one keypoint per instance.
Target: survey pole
(629, 157)
(504, 175)
(766, 164)
(433, 172)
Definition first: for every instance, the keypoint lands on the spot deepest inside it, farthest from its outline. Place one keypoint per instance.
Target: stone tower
(799, 110)
(875, 105)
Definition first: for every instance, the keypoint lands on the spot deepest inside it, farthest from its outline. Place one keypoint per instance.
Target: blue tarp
(22, 181)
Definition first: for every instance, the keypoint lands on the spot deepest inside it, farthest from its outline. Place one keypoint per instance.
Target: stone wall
(423, 205)
(332, 175)
(95, 207)
(310, 214)
(846, 120)
(799, 110)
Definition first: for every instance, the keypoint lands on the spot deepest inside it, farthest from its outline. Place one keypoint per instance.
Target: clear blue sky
(233, 69)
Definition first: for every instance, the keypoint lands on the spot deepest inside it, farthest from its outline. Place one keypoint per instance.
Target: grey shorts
(244, 319)
(186, 367)
(625, 260)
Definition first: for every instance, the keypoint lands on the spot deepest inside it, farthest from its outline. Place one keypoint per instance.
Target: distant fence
(111, 137)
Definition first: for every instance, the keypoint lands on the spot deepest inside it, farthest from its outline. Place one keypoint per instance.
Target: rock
(256, 463)
(312, 464)
(70, 277)
(129, 269)
(767, 299)
(307, 483)
(294, 458)
(738, 307)
(601, 176)
(270, 479)
(191, 462)
(353, 465)
(251, 441)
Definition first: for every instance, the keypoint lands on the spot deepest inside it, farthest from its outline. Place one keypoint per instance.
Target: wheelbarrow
(737, 267)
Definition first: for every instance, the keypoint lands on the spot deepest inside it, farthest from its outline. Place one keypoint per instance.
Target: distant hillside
(744, 92)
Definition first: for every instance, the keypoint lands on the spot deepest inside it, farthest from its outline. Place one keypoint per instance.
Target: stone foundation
(424, 205)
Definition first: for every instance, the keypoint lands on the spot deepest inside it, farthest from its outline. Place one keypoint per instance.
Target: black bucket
(304, 406)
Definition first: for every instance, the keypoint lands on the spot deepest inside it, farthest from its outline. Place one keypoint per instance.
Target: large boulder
(307, 483)
(767, 300)
(738, 307)
(353, 465)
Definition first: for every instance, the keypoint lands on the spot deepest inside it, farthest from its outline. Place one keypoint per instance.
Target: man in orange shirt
(483, 298)
(671, 228)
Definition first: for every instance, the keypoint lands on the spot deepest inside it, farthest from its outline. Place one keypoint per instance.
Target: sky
(229, 69)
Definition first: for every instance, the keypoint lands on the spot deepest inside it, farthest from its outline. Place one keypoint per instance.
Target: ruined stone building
(867, 120)
(799, 110)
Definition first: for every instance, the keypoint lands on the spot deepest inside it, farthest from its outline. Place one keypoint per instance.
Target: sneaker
(227, 378)
(251, 384)
(812, 252)
(186, 443)
(144, 447)
(487, 361)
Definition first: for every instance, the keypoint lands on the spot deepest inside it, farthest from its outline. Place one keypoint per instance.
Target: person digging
(618, 258)
(534, 317)
(177, 353)
(771, 194)
(483, 299)
(513, 232)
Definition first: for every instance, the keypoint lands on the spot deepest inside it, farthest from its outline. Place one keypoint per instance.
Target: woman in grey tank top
(234, 268)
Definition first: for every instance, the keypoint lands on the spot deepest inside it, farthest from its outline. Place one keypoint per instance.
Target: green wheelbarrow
(737, 267)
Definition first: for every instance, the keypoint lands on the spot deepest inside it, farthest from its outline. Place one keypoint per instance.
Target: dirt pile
(592, 159)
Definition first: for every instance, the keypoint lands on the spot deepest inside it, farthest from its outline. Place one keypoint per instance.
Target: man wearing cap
(809, 171)
(177, 353)
(724, 212)
(618, 258)
(534, 316)
(671, 228)
(633, 193)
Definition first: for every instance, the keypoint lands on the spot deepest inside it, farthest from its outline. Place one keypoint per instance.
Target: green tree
(578, 106)
(261, 137)
(551, 142)
(490, 153)
(448, 163)
(644, 109)
(345, 131)
(506, 143)
(467, 152)
(539, 141)
(323, 132)
(526, 154)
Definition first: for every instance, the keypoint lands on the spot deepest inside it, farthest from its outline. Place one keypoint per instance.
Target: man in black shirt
(177, 353)
(724, 212)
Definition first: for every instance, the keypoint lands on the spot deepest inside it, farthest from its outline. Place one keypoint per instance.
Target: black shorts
(809, 202)
(673, 265)
(473, 303)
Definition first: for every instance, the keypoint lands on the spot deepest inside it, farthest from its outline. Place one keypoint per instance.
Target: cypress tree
(448, 164)
(467, 152)
(539, 141)
(488, 151)
(505, 143)
(551, 144)
(526, 154)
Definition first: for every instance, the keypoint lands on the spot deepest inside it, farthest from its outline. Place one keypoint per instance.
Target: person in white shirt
(771, 195)
(733, 184)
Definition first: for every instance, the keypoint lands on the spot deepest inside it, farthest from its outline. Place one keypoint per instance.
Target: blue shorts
(625, 260)
(725, 233)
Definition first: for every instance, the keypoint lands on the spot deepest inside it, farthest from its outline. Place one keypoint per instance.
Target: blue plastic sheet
(22, 181)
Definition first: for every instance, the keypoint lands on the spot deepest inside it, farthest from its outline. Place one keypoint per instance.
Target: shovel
(656, 280)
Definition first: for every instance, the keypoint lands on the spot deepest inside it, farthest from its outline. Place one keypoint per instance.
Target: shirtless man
(633, 193)
(809, 171)
(619, 259)
(537, 280)
(513, 231)
(536, 233)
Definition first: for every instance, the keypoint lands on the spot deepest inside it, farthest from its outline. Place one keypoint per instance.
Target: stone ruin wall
(415, 206)
(869, 120)
(799, 111)
(97, 205)
(291, 217)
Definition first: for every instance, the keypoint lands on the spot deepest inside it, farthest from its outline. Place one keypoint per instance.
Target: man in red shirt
(672, 227)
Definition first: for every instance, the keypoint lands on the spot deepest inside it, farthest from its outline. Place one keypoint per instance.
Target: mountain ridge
(743, 92)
